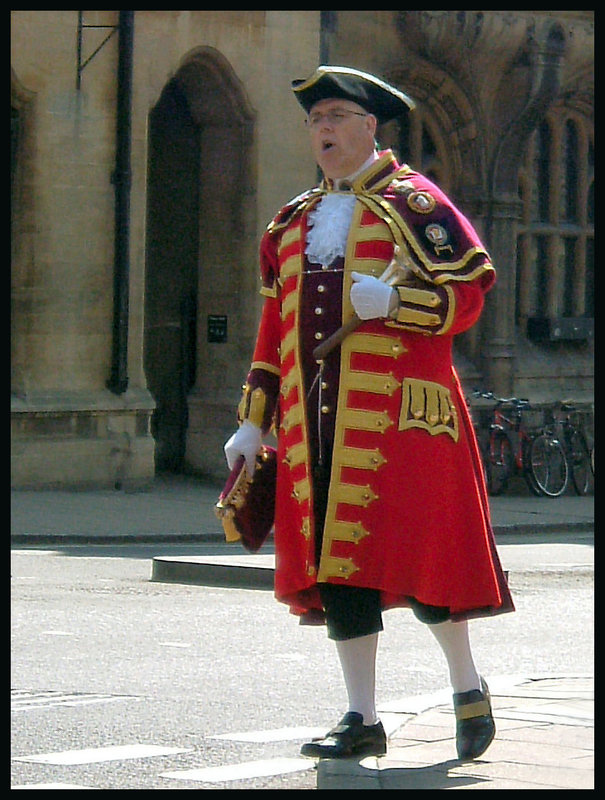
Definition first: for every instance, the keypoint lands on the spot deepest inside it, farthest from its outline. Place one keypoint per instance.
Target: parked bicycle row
(546, 445)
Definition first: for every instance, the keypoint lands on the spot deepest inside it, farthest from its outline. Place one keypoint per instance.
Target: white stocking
(358, 663)
(454, 641)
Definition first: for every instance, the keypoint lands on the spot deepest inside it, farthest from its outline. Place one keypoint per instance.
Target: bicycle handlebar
(514, 401)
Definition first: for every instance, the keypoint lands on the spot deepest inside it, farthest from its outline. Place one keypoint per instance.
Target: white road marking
(52, 786)
(290, 656)
(97, 754)
(391, 723)
(27, 701)
(238, 772)
(174, 644)
(275, 735)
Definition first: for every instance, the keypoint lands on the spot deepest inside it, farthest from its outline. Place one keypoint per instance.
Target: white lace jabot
(329, 224)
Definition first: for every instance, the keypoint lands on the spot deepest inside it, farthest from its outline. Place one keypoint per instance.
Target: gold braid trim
(266, 366)
(404, 238)
(429, 406)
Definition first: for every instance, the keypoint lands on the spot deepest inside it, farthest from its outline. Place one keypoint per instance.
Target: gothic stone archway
(201, 244)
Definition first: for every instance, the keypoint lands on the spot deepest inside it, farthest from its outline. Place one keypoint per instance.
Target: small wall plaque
(217, 328)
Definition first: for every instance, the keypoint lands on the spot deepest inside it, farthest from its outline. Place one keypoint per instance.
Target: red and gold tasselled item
(406, 509)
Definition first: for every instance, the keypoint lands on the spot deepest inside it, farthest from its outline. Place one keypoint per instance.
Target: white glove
(372, 298)
(246, 441)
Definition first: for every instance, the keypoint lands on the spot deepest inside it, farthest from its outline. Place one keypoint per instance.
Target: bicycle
(568, 423)
(512, 448)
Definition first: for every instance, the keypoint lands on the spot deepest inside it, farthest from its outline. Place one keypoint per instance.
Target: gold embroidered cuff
(429, 310)
(269, 291)
(253, 406)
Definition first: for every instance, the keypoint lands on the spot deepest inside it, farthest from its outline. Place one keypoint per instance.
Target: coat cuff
(427, 310)
(258, 402)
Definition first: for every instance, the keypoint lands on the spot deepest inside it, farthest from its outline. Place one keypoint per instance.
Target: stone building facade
(149, 150)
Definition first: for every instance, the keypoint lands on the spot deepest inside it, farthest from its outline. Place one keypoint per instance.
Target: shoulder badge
(402, 186)
(436, 234)
(421, 202)
(439, 237)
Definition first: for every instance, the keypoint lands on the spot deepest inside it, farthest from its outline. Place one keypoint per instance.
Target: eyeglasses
(335, 116)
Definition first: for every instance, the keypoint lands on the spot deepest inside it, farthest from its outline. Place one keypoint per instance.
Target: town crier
(380, 499)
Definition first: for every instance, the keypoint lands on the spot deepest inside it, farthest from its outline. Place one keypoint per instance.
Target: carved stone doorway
(200, 245)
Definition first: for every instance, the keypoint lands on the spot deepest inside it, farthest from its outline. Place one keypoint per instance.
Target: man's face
(342, 136)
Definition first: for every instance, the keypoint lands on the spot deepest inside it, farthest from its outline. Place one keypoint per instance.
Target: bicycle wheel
(546, 469)
(499, 460)
(592, 460)
(579, 461)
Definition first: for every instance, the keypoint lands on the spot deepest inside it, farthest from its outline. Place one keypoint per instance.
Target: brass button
(319, 335)
(319, 311)
(321, 288)
(324, 384)
(325, 409)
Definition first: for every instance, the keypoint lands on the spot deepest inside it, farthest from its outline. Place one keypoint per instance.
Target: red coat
(407, 510)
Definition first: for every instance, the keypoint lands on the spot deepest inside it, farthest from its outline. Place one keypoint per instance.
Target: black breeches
(353, 611)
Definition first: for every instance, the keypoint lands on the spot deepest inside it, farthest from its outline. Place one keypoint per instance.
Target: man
(380, 497)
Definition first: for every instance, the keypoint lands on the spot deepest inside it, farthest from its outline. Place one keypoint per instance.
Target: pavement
(545, 723)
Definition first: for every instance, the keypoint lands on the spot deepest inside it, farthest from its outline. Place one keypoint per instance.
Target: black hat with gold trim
(368, 91)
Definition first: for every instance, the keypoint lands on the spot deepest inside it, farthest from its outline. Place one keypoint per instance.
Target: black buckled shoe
(475, 727)
(349, 738)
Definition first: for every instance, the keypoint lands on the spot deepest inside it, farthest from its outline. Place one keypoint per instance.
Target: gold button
(324, 384)
(310, 571)
(325, 409)
(319, 335)
(319, 311)
(321, 288)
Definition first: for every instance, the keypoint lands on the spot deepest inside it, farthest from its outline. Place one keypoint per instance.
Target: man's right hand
(246, 441)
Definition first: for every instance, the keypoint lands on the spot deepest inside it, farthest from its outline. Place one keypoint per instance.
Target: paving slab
(544, 740)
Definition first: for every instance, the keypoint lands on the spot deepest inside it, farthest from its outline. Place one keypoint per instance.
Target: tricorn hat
(368, 91)
(246, 506)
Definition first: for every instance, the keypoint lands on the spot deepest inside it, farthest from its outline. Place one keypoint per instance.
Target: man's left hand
(372, 298)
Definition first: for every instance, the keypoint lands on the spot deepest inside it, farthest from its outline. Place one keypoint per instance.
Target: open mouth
(327, 145)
